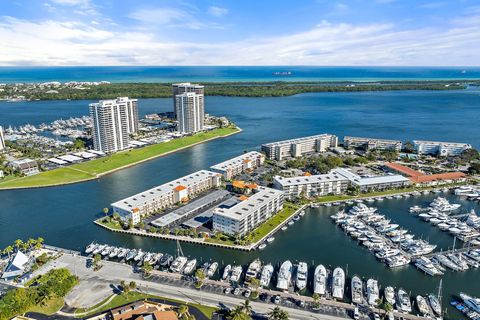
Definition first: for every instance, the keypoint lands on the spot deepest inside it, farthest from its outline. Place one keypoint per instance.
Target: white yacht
(226, 272)
(389, 294)
(178, 264)
(442, 204)
(435, 304)
(361, 209)
(253, 270)
(424, 264)
(338, 283)
(473, 220)
(471, 302)
(190, 266)
(90, 248)
(284, 276)
(266, 275)
(422, 305)
(302, 276)
(357, 290)
(236, 273)
(131, 254)
(106, 251)
(139, 255)
(372, 292)
(212, 269)
(403, 301)
(320, 280)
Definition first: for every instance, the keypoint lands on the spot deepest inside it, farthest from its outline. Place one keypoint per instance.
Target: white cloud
(217, 11)
(75, 43)
(71, 2)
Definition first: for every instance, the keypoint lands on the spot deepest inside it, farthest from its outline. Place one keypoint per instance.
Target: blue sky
(240, 32)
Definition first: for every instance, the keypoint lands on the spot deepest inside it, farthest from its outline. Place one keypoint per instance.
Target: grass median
(94, 168)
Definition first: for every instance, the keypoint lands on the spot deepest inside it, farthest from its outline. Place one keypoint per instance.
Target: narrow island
(96, 168)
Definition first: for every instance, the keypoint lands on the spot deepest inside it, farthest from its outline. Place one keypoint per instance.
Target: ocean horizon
(233, 73)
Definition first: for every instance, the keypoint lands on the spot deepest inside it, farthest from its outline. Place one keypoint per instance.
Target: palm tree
(182, 310)
(31, 243)
(39, 243)
(132, 285)
(105, 211)
(147, 269)
(18, 244)
(278, 314)
(247, 308)
(8, 250)
(238, 314)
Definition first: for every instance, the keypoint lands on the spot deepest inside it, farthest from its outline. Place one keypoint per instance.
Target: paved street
(96, 286)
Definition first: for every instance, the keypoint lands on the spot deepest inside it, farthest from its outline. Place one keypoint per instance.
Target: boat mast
(179, 249)
(439, 293)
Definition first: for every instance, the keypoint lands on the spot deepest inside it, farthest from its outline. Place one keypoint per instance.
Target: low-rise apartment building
(372, 143)
(439, 148)
(235, 166)
(165, 195)
(26, 166)
(300, 146)
(373, 183)
(311, 185)
(246, 215)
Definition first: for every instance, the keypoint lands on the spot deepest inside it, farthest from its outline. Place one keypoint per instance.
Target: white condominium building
(179, 88)
(113, 122)
(190, 112)
(3, 147)
(440, 148)
(249, 213)
(240, 164)
(373, 183)
(166, 195)
(372, 143)
(311, 185)
(300, 146)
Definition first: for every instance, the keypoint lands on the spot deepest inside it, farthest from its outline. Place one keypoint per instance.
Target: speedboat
(122, 253)
(253, 270)
(90, 248)
(372, 292)
(435, 304)
(302, 276)
(424, 264)
(357, 290)
(98, 249)
(226, 272)
(190, 266)
(166, 260)
(471, 302)
(266, 275)
(284, 276)
(211, 269)
(338, 283)
(236, 273)
(114, 253)
(105, 252)
(403, 301)
(320, 280)
(389, 294)
(422, 305)
(139, 255)
(130, 255)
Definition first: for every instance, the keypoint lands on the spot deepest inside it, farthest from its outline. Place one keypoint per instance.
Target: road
(99, 285)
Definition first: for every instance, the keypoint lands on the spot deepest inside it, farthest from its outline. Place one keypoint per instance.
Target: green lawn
(93, 168)
(51, 307)
(132, 296)
(263, 229)
(111, 224)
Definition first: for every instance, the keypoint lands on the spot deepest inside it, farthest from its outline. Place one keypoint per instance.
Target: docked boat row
(439, 214)
(391, 244)
(457, 260)
(470, 192)
(468, 305)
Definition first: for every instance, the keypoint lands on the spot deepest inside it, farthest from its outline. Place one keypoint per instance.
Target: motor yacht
(226, 272)
(357, 290)
(422, 305)
(389, 294)
(372, 292)
(302, 276)
(284, 276)
(320, 280)
(471, 302)
(253, 270)
(212, 269)
(178, 264)
(236, 273)
(190, 266)
(338, 283)
(403, 301)
(266, 275)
